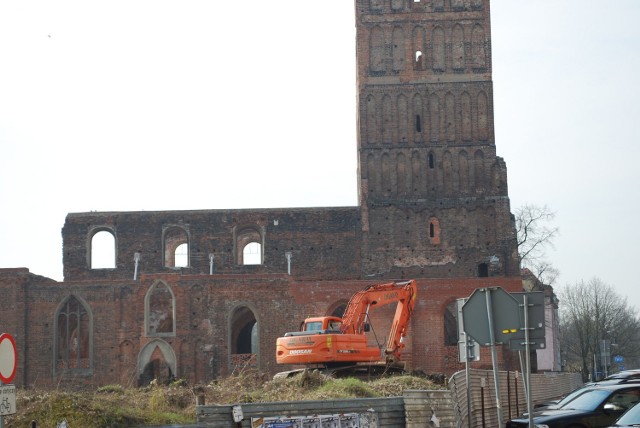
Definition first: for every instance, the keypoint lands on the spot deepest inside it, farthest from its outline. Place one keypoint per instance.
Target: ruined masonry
(200, 294)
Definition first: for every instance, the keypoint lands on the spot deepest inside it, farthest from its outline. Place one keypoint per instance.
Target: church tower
(432, 191)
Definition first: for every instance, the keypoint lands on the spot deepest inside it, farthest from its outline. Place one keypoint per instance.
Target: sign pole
(1, 416)
(467, 377)
(494, 355)
(527, 347)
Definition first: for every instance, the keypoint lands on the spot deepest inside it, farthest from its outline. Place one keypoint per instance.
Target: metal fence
(544, 386)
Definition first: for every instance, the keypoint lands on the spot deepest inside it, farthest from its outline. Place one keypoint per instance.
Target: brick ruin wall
(433, 206)
(206, 310)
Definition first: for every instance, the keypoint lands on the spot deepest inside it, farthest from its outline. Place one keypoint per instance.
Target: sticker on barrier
(347, 420)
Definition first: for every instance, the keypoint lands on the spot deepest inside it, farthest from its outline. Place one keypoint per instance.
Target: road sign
(8, 358)
(536, 322)
(7, 400)
(506, 316)
(618, 359)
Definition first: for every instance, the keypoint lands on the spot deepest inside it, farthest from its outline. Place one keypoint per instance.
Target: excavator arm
(357, 312)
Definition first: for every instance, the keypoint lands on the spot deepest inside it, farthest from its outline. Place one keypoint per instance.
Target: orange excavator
(333, 342)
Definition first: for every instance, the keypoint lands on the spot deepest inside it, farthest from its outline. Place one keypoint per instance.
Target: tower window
(434, 231)
(418, 123)
(431, 161)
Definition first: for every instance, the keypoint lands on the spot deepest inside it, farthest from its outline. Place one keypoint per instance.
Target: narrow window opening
(483, 270)
(451, 325)
(434, 231)
(418, 56)
(418, 123)
(431, 161)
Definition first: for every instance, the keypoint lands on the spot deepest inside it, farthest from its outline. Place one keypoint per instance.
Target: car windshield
(570, 397)
(632, 416)
(589, 400)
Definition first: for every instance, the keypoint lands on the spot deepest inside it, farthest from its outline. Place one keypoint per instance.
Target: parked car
(596, 406)
(626, 376)
(631, 418)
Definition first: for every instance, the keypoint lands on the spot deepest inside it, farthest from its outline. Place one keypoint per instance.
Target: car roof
(623, 374)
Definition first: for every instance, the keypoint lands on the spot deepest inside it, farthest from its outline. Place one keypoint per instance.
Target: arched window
(176, 247)
(431, 160)
(249, 244)
(483, 270)
(244, 337)
(451, 324)
(156, 360)
(457, 47)
(438, 50)
(103, 250)
(159, 310)
(73, 347)
(478, 49)
(252, 254)
(181, 255)
(338, 311)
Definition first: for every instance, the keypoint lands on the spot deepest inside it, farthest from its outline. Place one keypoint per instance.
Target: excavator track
(358, 371)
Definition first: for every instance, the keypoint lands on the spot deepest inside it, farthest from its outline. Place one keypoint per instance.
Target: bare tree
(534, 234)
(592, 313)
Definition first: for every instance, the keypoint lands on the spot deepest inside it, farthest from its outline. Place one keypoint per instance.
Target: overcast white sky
(171, 105)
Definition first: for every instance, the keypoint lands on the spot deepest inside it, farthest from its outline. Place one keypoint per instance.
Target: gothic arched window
(159, 305)
(73, 341)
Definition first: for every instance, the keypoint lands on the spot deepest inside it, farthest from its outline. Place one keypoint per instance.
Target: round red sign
(8, 358)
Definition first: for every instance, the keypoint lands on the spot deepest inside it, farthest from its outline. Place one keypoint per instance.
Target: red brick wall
(204, 307)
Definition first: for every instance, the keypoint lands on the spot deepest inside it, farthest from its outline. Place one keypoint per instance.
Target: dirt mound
(115, 406)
